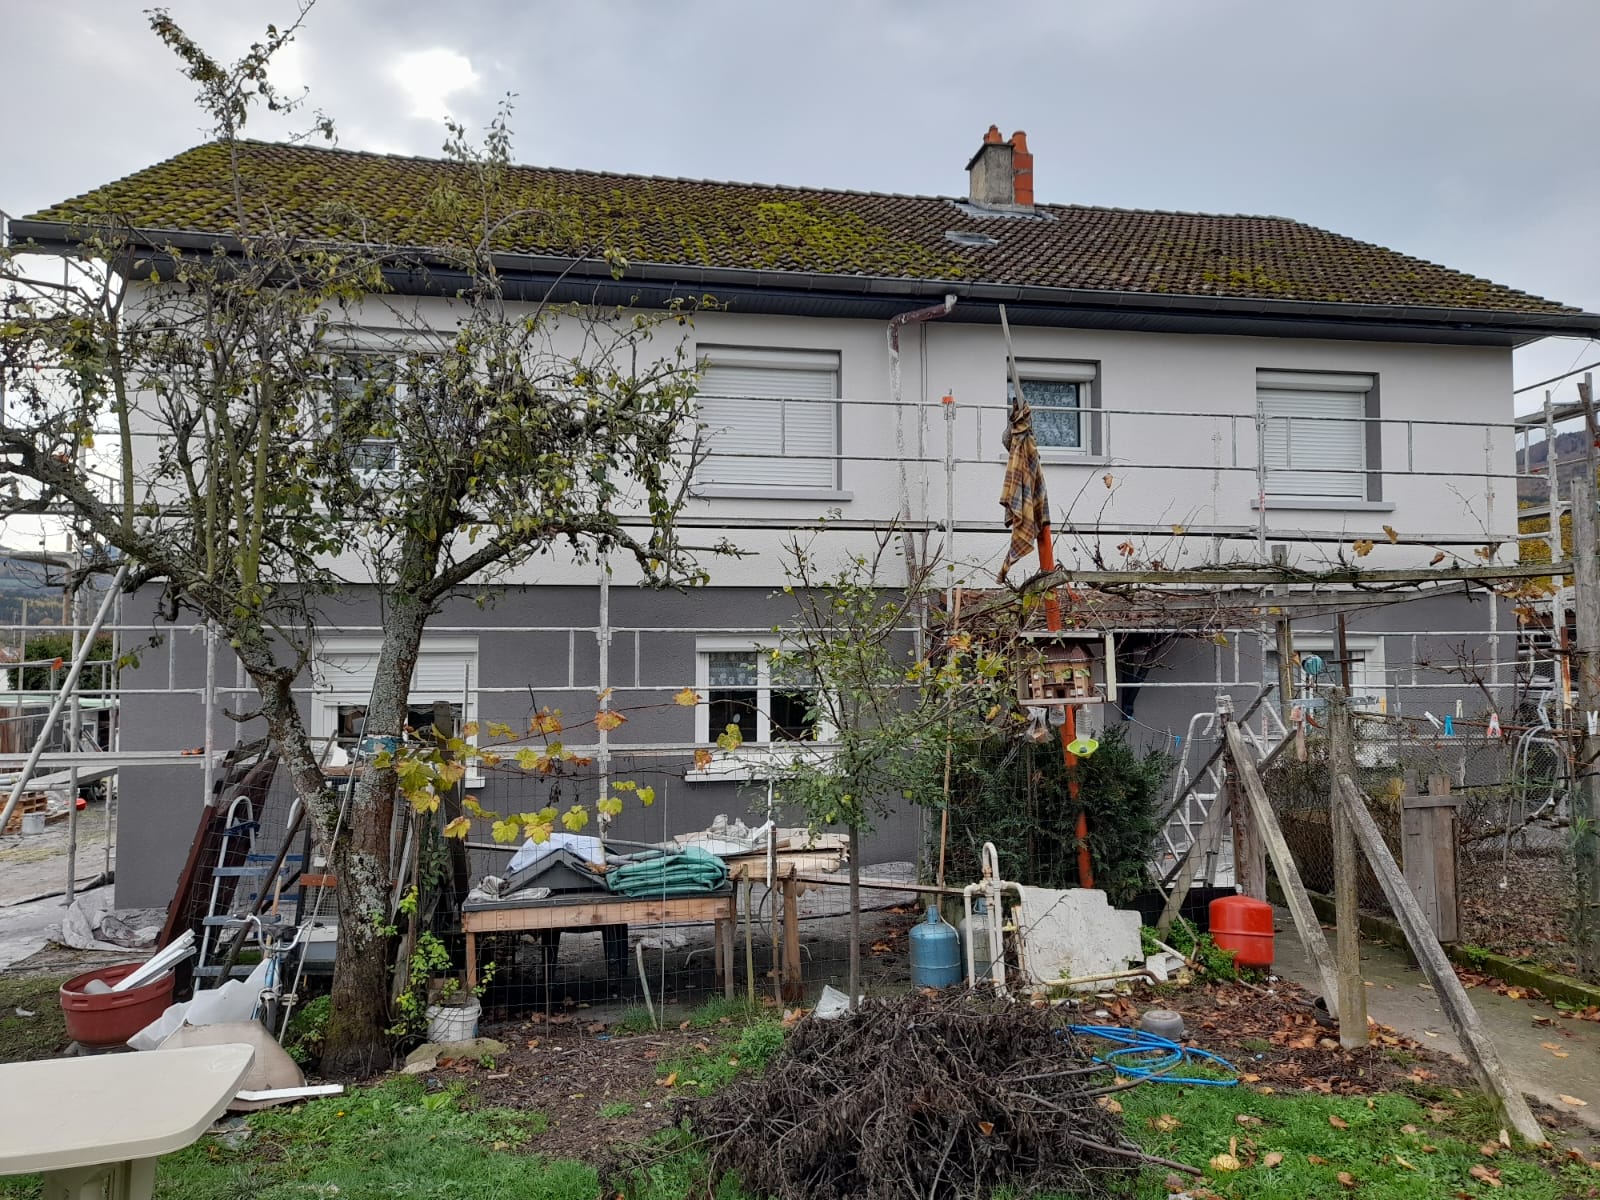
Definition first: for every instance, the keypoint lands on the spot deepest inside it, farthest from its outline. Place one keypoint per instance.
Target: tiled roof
(384, 199)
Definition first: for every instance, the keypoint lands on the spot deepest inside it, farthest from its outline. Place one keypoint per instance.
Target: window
(368, 390)
(1061, 395)
(771, 419)
(1368, 679)
(446, 671)
(742, 687)
(1315, 435)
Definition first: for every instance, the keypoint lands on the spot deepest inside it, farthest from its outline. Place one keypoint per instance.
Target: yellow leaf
(545, 721)
(611, 806)
(647, 795)
(458, 828)
(575, 818)
(1389, 532)
(1219, 638)
(1177, 530)
(608, 719)
(730, 739)
(602, 697)
(1271, 1159)
(1362, 547)
(1225, 1162)
(499, 729)
(1166, 1122)
(1109, 1103)
(1402, 1162)
(687, 697)
(702, 759)
(470, 729)
(669, 1080)
(505, 831)
(1572, 1100)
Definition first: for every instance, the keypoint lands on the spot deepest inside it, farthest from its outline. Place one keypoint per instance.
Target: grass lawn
(43, 1035)
(402, 1138)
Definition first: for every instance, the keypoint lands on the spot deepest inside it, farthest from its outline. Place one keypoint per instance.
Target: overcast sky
(1456, 130)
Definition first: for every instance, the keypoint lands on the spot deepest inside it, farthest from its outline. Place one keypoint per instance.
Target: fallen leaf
(1487, 1174)
(986, 1127)
(1225, 1162)
(1489, 1149)
(1246, 1119)
(1338, 1122)
(1559, 1054)
(1409, 1129)
(1346, 1179)
(1505, 1138)
(1402, 1162)
(1550, 1045)
(1271, 1159)
(669, 1080)
(1166, 1122)
(1316, 1160)
(1250, 1078)
(1572, 1100)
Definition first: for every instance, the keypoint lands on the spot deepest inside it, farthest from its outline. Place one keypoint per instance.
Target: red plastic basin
(1243, 925)
(111, 1018)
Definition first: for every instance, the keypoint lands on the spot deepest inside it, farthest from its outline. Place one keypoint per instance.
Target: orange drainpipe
(1069, 727)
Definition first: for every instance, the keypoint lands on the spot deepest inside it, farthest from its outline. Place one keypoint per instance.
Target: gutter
(982, 299)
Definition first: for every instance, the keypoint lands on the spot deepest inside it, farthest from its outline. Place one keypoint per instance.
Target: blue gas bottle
(935, 953)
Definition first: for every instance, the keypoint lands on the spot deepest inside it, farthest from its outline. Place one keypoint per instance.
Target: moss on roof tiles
(389, 200)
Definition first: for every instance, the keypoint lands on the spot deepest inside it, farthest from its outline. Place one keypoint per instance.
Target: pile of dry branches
(947, 1096)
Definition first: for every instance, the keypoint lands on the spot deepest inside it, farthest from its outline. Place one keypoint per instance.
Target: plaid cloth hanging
(1023, 494)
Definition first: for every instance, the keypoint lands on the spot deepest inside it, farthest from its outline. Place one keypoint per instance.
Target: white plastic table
(94, 1127)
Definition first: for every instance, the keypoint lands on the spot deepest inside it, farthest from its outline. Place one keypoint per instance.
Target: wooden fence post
(1475, 1042)
(1346, 867)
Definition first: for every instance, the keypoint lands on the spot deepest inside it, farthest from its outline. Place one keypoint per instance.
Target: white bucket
(453, 1022)
(32, 823)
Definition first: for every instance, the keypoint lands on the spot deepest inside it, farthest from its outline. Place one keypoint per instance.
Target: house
(1206, 388)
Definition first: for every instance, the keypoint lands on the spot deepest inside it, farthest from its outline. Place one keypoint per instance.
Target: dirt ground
(578, 1067)
(1530, 917)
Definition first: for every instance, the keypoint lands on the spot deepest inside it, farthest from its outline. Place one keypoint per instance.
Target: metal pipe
(61, 697)
(896, 323)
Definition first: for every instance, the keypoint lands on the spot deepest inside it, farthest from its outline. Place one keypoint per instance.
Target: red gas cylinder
(1243, 925)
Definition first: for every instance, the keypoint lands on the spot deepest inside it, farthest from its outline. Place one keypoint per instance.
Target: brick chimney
(1000, 174)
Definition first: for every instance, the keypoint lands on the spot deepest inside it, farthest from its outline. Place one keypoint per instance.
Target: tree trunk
(356, 1041)
(855, 916)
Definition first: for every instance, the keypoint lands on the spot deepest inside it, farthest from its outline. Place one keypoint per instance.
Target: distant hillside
(1569, 466)
(39, 586)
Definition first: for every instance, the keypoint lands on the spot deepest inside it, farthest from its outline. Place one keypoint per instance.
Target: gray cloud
(1456, 130)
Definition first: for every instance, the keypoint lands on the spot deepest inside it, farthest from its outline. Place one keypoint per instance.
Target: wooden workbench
(597, 910)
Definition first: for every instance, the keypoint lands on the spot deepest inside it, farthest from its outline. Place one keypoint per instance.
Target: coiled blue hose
(1165, 1054)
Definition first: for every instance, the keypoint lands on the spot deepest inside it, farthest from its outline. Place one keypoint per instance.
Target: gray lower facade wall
(538, 646)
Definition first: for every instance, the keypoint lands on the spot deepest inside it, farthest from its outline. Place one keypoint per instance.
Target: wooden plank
(1249, 851)
(595, 913)
(1305, 918)
(793, 979)
(1475, 1042)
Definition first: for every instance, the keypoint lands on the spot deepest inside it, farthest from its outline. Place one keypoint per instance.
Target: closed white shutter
(447, 668)
(771, 423)
(1315, 435)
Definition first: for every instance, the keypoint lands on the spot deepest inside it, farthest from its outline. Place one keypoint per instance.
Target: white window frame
(333, 689)
(1087, 376)
(1368, 678)
(1317, 487)
(752, 483)
(756, 759)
